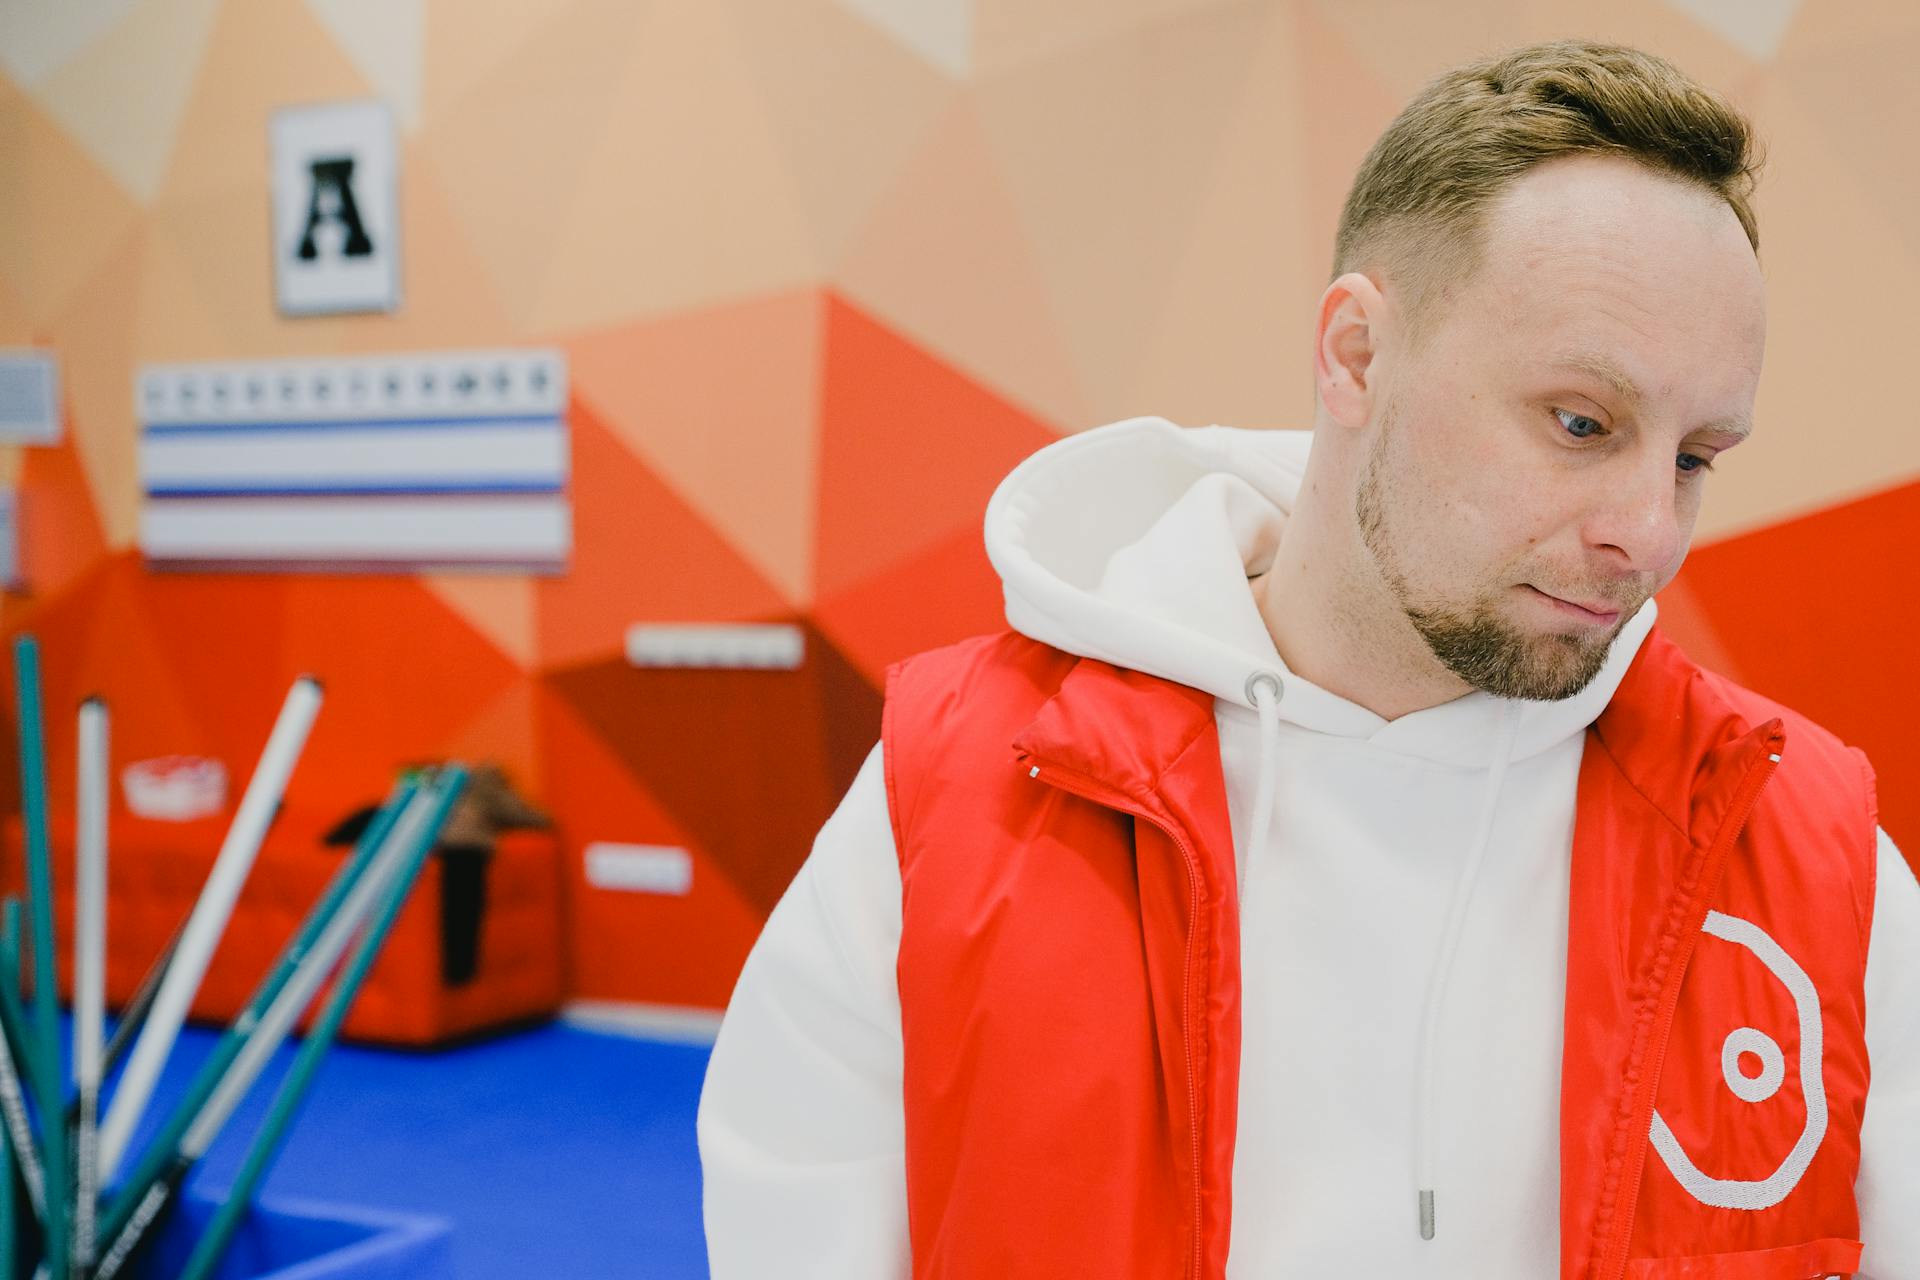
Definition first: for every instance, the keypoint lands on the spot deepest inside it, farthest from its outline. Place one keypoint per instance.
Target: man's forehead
(1588, 194)
(1630, 279)
(1600, 220)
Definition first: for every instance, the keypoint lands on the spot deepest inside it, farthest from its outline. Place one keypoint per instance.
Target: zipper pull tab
(1426, 1215)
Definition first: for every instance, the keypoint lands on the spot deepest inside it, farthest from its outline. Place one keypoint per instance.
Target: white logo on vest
(1733, 1193)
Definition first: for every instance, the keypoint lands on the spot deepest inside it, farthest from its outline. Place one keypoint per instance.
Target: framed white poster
(430, 461)
(336, 208)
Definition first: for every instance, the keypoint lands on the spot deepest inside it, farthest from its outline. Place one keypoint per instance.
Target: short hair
(1418, 205)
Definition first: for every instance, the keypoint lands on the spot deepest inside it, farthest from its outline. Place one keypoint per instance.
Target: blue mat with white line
(558, 1152)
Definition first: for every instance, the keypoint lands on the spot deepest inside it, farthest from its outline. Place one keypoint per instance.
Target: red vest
(1070, 989)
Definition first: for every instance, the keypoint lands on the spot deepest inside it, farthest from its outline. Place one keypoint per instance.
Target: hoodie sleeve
(1889, 1183)
(802, 1146)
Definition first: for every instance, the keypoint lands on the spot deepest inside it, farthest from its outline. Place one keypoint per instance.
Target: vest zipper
(1087, 789)
(1613, 1264)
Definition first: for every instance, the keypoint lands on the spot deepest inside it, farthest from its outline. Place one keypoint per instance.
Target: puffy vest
(1070, 990)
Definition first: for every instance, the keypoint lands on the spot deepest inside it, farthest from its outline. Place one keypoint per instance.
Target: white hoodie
(1404, 891)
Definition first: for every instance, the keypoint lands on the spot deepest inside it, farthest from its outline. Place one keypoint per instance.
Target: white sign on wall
(336, 208)
(640, 868)
(29, 397)
(12, 575)
(376, 463)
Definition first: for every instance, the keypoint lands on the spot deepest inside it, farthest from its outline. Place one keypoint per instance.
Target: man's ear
(1346, 341)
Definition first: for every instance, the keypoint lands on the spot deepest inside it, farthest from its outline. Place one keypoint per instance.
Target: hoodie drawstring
(1443, 969)
(1264, 692)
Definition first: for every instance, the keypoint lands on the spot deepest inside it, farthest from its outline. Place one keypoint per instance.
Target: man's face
(1535, 468)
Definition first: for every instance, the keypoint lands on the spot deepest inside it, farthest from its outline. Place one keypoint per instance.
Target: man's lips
(1597, 611)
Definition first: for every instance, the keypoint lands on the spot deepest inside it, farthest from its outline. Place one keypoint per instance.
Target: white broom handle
(208, 922)
(90, 898)
(89, 967)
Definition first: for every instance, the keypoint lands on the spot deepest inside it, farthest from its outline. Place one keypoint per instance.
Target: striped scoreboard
(454, 459)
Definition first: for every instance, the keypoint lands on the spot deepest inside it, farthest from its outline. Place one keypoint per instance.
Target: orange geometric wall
(823, 270)
(739, 768)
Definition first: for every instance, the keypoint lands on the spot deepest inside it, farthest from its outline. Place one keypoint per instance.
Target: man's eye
(1692, 464)
(1580, 428)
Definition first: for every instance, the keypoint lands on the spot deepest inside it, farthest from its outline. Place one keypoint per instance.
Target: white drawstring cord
(1443, 968)
(1263, 691)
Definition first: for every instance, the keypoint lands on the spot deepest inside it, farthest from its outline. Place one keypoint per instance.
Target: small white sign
(741, 646)
(29, 397)
(336, 208)
(640, 868)
(11, 574)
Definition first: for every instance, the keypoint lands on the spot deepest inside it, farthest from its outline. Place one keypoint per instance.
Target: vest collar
(1679, 741)
(1121, 728)
(1125, 730)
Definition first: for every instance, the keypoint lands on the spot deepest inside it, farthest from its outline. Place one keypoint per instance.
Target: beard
(1472, 639)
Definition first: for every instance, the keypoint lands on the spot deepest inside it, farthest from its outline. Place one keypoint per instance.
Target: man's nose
(1639, 517)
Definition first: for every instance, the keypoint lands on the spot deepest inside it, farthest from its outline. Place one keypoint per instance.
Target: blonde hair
(1418, 204)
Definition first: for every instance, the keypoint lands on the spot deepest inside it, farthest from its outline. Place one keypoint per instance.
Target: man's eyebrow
(1597, 366)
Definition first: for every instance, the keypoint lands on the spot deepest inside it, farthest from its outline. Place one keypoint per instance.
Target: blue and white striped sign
(384, 462)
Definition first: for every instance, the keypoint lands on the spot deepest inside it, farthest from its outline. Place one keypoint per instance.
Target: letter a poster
(336, 208)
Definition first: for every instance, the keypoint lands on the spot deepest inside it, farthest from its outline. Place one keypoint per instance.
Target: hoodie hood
(1133, 543)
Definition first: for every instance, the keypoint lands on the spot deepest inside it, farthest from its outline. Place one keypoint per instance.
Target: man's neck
(1330, 634)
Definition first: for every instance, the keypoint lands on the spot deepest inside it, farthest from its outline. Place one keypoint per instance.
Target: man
(1333, 872)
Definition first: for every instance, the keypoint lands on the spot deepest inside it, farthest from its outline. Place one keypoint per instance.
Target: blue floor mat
(559, 1153)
